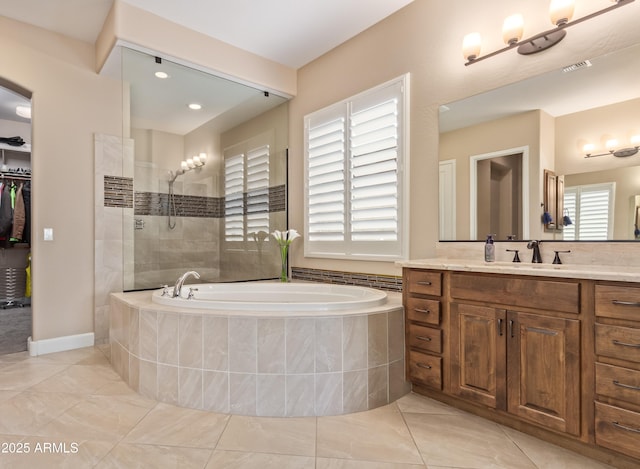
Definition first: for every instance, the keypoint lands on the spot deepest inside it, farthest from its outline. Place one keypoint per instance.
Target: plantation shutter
(374, 172)
(326, 178)
(570, 207)
(355, 171)
(258, 190)
(593, 208)
(233, 198)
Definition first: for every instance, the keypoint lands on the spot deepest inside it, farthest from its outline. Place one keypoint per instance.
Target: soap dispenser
(489, 250)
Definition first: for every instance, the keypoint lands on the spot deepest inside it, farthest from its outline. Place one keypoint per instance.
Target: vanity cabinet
(555, 357)
(617, 348)
(524, 363)
(423, 327)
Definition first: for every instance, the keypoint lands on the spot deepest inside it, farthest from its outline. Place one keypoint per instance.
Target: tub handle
(191, 294)
(165, 290)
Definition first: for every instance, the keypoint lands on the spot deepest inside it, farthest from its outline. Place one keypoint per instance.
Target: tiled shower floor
(70, 409)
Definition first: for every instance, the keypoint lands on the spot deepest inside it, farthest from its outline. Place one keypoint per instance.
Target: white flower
(285, 238)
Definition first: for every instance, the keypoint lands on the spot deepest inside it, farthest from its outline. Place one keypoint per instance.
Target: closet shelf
(26, 148)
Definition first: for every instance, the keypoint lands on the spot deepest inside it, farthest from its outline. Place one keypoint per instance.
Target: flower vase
(284, 273)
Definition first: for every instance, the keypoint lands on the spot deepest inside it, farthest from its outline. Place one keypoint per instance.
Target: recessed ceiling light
(162, 75)
(24, 111)
(195, 106)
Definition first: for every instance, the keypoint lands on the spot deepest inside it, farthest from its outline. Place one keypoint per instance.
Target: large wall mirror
(551, 119)
(208, 158)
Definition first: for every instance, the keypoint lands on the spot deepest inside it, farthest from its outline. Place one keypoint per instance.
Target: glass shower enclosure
(209, 171)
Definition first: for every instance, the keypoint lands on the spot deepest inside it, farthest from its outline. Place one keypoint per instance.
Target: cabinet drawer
(618, 342)
(425, 338)
(618, 383)
(425, 369)
(618, 429)
(549, 295)
(421, 310)
(618, 302)
(425, 282)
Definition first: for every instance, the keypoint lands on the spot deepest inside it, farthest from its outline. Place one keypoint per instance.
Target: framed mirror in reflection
(556, 120)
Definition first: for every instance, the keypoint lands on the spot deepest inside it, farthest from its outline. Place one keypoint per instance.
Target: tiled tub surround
(268, 364)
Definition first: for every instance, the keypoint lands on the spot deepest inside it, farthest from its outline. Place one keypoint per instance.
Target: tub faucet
(535, 245)
(177, 289)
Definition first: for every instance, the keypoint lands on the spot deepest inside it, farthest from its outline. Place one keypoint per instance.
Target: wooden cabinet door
(478, 362)
(544, 370)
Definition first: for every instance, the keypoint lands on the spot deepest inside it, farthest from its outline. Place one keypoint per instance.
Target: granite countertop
(580, 271)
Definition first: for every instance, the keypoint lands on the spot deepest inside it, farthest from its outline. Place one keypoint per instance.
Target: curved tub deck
(265, 363)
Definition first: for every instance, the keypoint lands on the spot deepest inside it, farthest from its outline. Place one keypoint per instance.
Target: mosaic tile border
(118, 192)
(382, 282)
(157, 204)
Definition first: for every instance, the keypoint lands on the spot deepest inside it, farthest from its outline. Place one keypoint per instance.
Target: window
(590, 208)
(246, 191)
(355, 165)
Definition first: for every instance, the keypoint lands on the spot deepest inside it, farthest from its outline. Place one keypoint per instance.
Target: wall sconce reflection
(612, 148)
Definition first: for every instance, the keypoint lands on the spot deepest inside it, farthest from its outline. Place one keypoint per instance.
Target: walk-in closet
(15, 220)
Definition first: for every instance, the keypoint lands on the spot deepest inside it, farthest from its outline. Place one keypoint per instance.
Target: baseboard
(59, 344)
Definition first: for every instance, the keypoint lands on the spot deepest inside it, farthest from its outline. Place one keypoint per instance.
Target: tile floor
(70, 409)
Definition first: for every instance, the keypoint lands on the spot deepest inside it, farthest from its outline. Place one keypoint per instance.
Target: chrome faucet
(535, 245)
(177, 289)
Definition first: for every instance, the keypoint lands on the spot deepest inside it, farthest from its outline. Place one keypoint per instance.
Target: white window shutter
(234, 198)
(258, 190)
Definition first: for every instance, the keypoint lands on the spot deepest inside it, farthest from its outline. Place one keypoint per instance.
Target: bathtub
(262, 348)
(274, 297)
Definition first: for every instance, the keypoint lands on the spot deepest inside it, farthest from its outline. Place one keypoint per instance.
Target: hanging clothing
(6, 215)
(19, 216)
(26, 197)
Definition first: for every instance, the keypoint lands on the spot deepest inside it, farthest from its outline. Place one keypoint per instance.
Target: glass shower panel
(183, 209)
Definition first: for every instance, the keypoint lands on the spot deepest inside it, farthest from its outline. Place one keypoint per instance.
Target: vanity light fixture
(560, 12)
(194, 162)
(611, 147)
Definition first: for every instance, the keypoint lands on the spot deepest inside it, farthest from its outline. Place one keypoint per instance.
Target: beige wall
(70, 104)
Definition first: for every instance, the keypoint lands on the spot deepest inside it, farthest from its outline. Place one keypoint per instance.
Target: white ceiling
(290, 32)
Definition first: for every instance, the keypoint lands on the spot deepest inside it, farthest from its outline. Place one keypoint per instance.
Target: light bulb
(190, 163)
(611, 144)
(196, 160)
(184, 165)
(512, 29)
(471, 46)
(588, 148)
(203, 157)
(635, 140)
(561, 11)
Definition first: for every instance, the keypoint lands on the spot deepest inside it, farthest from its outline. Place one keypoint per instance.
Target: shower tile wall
(113, 215)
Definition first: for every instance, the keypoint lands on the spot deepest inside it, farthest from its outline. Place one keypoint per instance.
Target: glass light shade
(512, 29)
(196, 160)
(23, 111)
(561, 11)
(161, 75)
(203, 157)
(635, 140)
(190, 163)
(184, 165)
(471, 46)
(588, 148)
(611, 144)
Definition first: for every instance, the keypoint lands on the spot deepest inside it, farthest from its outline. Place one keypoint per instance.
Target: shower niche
(209, 172)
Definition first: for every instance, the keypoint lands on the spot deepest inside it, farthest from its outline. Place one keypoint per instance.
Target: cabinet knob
(425, 283)
(426, 339)
(624, 344)
(625, 427)
(626, 386)
(422, 365)
(420, 310)
(625, 303)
